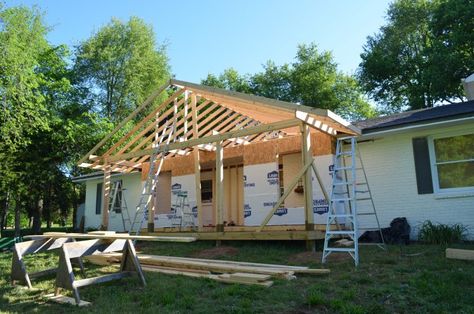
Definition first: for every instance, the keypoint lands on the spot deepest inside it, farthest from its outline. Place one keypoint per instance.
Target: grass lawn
(408, 279)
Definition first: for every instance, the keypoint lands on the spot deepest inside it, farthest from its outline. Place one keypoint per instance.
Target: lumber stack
(219, 270)
(467, 255)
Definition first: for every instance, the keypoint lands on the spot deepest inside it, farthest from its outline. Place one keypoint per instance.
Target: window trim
(434, 168)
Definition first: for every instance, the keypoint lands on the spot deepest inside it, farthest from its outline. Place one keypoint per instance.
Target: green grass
(397, 280)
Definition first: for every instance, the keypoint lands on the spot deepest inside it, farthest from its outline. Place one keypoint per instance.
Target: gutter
(413, 127)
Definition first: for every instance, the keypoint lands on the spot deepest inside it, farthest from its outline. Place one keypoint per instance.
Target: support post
(106, 196)
(219, 187)
(307, 157)
(197, 165)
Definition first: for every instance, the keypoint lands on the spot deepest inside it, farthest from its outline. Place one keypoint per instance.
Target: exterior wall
(390, 167)
(261, 192)
(132, 185)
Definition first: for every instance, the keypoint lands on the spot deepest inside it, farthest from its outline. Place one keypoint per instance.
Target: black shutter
(98, 199)
(422, 165)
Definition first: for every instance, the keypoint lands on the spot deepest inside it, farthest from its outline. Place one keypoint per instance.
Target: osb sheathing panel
(253, 153)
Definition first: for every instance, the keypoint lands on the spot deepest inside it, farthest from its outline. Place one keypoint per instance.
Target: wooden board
(467, 255)
(116, 236)
(62, 299)
(249, 277)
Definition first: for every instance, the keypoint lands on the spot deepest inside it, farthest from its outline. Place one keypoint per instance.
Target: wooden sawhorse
(19, 272)
(65, 276)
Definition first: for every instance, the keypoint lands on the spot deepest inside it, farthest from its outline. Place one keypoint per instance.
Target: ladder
(350, 200)
(149, 188)
(183, 215)
(119, 204)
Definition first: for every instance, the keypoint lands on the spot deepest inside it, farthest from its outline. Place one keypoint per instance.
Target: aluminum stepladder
(183, 213)
(351, 199)
(149, 188)
(119, 202)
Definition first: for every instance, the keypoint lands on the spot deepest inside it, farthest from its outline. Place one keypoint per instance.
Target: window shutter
(422, 165)
(98, 199)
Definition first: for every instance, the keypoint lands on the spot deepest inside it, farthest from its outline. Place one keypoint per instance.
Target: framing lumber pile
(219, 270)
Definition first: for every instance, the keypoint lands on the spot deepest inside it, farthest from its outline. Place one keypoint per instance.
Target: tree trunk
(4, 206)
(37, 213)
(47, 206)
(17, 218)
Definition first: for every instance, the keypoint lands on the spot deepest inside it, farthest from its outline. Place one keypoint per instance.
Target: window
(452, 162)
(206, 191)
(98, 199)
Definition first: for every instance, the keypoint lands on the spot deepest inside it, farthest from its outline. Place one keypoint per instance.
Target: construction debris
(223, 271)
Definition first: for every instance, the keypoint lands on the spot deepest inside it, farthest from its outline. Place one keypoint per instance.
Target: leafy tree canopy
(119, 66)
(312, 80)
(417, 60)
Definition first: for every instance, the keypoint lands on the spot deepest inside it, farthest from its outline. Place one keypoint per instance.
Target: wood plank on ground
(62, 299)
(467, 255)
(116, 236)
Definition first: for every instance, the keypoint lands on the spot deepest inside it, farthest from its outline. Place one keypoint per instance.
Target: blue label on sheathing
(247, 210)
(281, 211)
(176, 187)
(272, 177)
(320, 206)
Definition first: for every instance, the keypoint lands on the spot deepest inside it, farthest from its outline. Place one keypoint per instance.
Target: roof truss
(233, 118)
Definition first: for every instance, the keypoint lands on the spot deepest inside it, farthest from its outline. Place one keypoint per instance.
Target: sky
(208, 36)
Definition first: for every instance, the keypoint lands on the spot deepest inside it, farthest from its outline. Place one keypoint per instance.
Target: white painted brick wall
(390, 167)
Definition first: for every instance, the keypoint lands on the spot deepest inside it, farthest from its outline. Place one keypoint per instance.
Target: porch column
(219, 187)
(307, 156)
(106, 196)
(197, 165)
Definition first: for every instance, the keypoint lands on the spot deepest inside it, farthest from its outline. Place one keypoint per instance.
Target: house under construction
(225, 166)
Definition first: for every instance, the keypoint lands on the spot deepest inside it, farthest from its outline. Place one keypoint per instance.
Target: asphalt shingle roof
(445, 112)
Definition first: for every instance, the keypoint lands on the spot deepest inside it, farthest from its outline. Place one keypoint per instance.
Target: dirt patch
(216, 252)
(311, 257)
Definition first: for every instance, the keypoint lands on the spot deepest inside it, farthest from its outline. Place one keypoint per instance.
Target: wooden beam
(307, 158)
(210, 139)
(116, 236)
(197, 165)
(467, 255)
(288, 190)
(315, 123)
(219, 187)
(106, 196)
(148, 101)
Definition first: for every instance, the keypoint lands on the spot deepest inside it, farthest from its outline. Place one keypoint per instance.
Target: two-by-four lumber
(116, 236)
(219, 186)
(147, 102)
(225, 278)
(106, 196)
(212, 139)
(197, 164)
(307, 157)
(467, 255)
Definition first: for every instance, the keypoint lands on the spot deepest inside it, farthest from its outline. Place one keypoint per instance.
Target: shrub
(441, 233)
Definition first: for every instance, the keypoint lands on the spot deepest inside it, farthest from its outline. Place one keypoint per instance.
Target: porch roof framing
(238, 119)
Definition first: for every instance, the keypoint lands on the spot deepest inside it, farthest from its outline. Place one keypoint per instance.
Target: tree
(418, 58)
(312, 80)
(23, 48)
(119, 66)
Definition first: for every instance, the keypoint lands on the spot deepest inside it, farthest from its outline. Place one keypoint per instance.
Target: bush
(441, 233)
